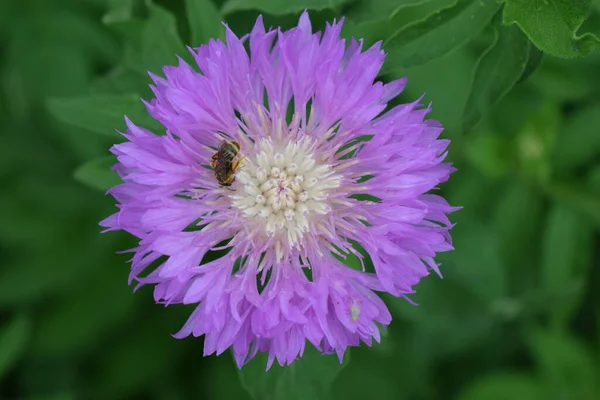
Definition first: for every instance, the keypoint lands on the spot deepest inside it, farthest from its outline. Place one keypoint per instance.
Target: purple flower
(326, 174)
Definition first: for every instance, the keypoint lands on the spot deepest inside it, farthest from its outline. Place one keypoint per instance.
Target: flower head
(325, 172)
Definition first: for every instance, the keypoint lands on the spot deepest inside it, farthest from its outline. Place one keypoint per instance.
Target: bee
(224, 162)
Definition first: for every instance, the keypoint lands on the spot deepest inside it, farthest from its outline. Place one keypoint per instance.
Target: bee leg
(229, 181)
(235, 164)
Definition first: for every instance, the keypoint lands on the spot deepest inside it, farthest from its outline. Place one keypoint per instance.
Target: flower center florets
(282, 187)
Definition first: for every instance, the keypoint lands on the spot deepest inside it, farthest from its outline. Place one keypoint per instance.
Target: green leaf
(14, 336)
(504, 386)
(47, 378)
(83, 147)
(68, 66)
(102, 114)
(578, 142)
(57, 396)
(144, 358)
(513, 111)
(490, 153)
(41, 247)
(535, 142)
(118, 11)
(552, 25)
(6, 11)
(576, 197)
(517, 220)
(446, 84)
(566, 80)
(377, 10)
(223, 382)
(205, 21)
(566, 366)
(98, 173)
(476, 262)
(449, 319)
(566, 259)
(533, 62)
(593, 180)
(75, 323)
(472, 190)
(121, 80)
(369, 377)
(309, 377)
(66, 27)
(160, 40)
(379, 23)
(438, 34)
(54, 264)
(280, 7)
(496, 72)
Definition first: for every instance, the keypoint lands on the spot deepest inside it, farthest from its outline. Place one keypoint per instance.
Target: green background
(517, 86)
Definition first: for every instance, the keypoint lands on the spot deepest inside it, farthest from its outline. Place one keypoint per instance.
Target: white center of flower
(281, 188)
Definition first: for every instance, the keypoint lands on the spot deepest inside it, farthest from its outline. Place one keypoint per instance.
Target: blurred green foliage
(517, 314)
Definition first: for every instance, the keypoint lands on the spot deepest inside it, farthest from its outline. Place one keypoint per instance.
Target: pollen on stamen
(283, 188)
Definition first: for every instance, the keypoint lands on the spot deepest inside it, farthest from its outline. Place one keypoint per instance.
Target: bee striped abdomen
(223, 162)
